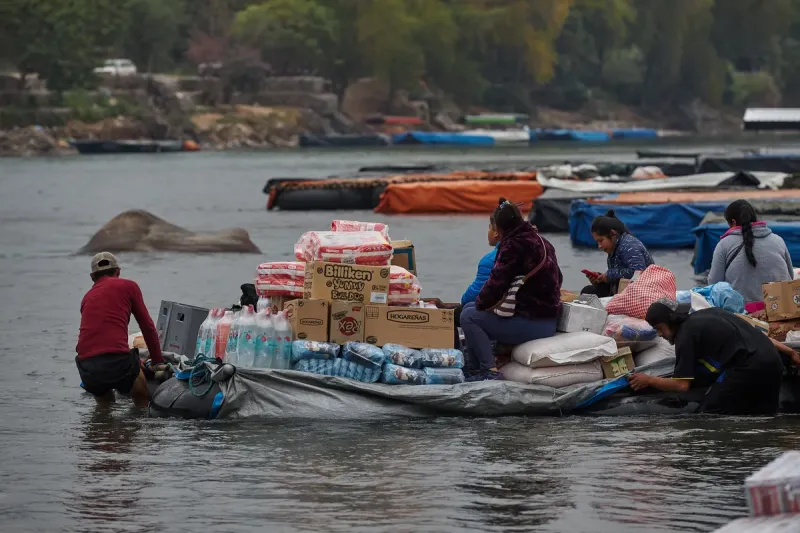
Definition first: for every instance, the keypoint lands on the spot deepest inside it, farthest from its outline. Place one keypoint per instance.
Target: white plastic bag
(563, 349)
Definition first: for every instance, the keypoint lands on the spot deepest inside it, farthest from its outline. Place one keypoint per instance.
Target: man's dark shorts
(103, 373)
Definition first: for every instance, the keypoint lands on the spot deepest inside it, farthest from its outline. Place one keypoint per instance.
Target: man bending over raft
(104, 360)
(716, 349)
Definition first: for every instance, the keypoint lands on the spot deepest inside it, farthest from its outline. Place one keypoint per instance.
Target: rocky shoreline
(188, 109)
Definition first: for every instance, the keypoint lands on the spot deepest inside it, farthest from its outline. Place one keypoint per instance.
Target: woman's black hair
(666, 311)
(743, 213)
(506, 216)
(604, 225)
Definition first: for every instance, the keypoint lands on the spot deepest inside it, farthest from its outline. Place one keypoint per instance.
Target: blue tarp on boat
(634, 133)
(708, 235)
(445, 138)
(656, 225)
(570, 135)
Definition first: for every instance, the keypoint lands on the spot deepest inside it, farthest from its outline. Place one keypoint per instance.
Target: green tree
(61, 41)
(153, 29)
(293, 35)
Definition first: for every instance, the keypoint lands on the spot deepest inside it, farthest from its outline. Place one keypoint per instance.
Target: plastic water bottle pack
(302, 350)
(400, 355)
(341, 368)
(442, 358)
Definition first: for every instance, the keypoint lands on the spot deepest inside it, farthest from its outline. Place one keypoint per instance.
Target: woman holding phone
(626, 255)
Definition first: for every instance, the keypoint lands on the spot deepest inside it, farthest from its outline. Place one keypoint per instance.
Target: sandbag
(660, 351)
(554, 376)
(564, 348)
(654, 283)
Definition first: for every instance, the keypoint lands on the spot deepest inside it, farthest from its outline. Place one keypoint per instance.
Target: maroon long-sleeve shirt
(105, 313)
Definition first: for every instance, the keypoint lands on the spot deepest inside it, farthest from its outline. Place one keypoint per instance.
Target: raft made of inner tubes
(364, 193)
(455, 196)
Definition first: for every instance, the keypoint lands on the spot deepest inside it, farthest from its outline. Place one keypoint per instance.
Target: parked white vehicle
(117, 67)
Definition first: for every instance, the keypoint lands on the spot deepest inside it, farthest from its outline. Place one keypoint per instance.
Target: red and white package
(401, 279)
(775, 489)
(279, 286)
(357, 247)
(288, 269)
(354, 225)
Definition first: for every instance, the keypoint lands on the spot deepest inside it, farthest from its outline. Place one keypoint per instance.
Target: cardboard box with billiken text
(617, 365)
(414, 327)
(782, 300)
(403, 255)
(579, 317)
(309, 319)
(347, 283)
(347, 322)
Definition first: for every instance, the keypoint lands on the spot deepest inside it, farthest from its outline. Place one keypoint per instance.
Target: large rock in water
(140, 231)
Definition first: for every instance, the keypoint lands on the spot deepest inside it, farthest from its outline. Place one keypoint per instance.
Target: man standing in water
(104, 360)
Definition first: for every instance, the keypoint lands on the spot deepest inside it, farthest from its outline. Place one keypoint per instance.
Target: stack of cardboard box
(782, 301)
(348, 302)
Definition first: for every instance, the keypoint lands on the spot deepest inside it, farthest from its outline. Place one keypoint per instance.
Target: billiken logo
(349, 326)
(408, 317)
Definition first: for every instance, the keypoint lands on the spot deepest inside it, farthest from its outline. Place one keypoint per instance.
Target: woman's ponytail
(506, 216)
(744, 215)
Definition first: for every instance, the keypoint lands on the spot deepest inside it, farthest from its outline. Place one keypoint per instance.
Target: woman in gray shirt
(749, 254)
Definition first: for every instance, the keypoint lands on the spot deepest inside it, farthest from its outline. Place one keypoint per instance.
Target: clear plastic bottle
(231, 354)
(202, 334)
(223, 332)
(210, 340)
(273, 351)
(283, 334)
(246, 338)
(265, 331)
(263, 303)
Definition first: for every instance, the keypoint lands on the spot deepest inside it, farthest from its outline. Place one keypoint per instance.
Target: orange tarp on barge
(456, 196)
(667, 197)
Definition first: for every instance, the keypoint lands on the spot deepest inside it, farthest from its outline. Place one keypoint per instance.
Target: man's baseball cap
(104, 261)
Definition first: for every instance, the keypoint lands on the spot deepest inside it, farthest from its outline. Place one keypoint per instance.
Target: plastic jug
(265, 335)
(202, 334)
(223, 332)
(231, 355)
(246, 338)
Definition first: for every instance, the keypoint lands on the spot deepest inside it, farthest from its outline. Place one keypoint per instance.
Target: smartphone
(590, 274)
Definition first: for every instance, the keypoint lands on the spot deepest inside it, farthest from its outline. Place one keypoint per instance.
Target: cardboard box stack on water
(347, 322)
(413, 327)
(347, 282)
(309, 319)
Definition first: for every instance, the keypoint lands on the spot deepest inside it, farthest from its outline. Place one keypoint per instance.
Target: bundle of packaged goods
(428, 366)
(356, 247)
(278, 281)
(773, 498)
(359, 361)
(246, 338)
(346, 226)
(568, 359)
(404, 287)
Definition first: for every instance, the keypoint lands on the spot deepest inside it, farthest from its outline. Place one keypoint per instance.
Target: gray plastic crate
(178, 325)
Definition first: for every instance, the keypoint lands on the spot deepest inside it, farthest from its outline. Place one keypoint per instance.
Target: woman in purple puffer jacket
(521, 251)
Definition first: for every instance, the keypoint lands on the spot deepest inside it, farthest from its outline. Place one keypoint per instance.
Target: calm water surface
(67, 465)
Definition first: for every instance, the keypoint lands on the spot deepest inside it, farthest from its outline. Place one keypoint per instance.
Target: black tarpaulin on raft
(284, 394)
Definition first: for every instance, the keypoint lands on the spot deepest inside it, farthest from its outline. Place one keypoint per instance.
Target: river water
(68, 465)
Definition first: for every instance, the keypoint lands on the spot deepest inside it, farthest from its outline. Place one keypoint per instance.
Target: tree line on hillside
(503, 54)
